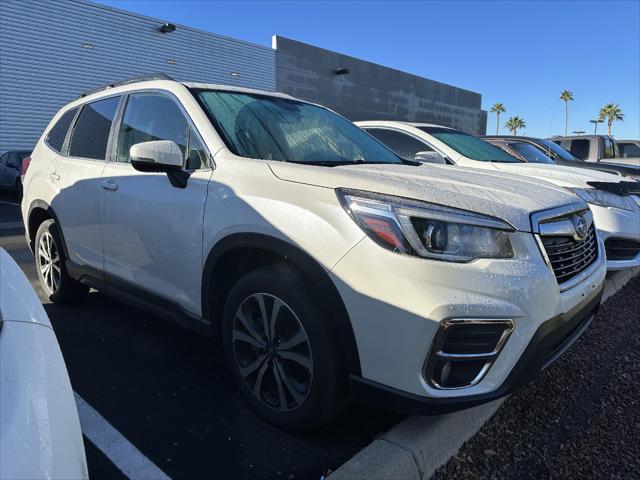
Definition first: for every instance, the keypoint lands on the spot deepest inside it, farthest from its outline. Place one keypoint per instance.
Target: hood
(572, 177)
(509, 197)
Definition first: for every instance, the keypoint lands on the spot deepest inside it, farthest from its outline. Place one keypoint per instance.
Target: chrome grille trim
(568, 256)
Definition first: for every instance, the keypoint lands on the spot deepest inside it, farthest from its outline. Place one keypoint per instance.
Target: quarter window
(57, 134)
(91, 133)
(403, 145)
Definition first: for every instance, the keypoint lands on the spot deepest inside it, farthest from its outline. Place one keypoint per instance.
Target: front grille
(568, 256)
(621, 248)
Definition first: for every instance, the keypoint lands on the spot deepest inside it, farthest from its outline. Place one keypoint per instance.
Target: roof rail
(126, 81)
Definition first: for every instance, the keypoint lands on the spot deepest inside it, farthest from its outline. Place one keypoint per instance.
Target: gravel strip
(580, 419)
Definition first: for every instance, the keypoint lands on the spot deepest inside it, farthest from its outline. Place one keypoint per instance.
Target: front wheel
(278, 348)
(52, 273)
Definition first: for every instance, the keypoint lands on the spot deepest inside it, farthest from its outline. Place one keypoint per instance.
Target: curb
(417, 446)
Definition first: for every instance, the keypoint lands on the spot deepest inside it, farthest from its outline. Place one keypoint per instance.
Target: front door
(151, 230)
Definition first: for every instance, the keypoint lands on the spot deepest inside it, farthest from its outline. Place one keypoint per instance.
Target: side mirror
(430, 157)
(156, 156)
(160, 156)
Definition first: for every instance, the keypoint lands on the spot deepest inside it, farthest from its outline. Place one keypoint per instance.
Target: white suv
(330, 268)
(615, 208)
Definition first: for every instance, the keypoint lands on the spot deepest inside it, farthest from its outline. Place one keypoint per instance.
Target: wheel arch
(40, 211)
(237, 254)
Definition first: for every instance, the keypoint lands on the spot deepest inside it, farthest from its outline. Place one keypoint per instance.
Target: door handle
(109, 185)
(54, 176)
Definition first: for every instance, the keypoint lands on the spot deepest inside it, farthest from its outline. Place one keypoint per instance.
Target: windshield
(272, 128)
(558, 150)
(530, 153)
(470, 146)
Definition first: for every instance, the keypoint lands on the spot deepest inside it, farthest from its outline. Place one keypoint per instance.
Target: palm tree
(498, 108)
(565, 96)
(514, 124)
(611, 112)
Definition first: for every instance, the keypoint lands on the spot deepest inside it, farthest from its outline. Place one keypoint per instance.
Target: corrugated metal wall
(53, 50)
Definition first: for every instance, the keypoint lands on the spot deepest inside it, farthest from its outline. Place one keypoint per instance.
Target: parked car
(557, 155)
(39, 428)
(329, 267)
(10, 171)
(612, 200)
(595, 148)
(628, 148)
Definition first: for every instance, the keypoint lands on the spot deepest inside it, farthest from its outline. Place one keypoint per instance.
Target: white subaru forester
(330, 268)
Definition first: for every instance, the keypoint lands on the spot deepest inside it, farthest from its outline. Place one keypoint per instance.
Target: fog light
(464, 350)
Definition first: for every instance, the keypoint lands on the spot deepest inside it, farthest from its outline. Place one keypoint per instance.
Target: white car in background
(616, 212)
(39, 428)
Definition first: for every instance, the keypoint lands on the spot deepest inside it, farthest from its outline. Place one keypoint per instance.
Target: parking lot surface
(166, 391)
(581, 419)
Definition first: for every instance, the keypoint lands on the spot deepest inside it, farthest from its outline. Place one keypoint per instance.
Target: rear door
(76, 175)
(152, 231)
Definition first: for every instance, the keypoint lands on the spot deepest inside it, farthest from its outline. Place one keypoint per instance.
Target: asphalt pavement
(166, 390)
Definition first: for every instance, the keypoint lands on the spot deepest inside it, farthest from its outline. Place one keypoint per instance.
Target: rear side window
(91, 133)
(580, 148)
(56, 136)
(405, 146)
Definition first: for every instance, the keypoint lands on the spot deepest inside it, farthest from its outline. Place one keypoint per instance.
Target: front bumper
(619, 224)
(396, 304)
(550, 341)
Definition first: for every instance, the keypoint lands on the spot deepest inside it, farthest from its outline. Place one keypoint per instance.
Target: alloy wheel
(49, 262)
(272, 352)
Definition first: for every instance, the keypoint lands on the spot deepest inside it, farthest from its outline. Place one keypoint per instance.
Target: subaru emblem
(580, 226)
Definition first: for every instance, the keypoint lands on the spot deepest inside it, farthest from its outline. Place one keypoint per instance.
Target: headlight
(604, 199)
(427, 230)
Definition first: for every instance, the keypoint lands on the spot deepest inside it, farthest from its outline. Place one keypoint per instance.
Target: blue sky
(522, 54)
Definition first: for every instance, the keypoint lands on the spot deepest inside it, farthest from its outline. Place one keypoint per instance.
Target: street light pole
(595, 125)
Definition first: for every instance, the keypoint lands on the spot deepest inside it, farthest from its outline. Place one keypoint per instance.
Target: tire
(18, 189)
(50, 266)
(302, 382)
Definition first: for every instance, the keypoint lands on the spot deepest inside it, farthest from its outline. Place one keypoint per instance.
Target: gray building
(53, 50)
(362, 90)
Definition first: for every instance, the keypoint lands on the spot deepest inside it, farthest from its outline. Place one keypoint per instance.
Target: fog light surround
(464, 350)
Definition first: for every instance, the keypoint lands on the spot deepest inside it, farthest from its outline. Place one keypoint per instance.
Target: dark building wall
(370, 91)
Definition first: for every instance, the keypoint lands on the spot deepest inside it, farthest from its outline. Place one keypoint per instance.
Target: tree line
(609, 113)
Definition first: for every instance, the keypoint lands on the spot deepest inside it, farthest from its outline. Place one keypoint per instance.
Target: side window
(58, 133)
(90, 135)
(628, 150)
(609, 150)
(149, 117)
(580, 148)
(403, 145)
